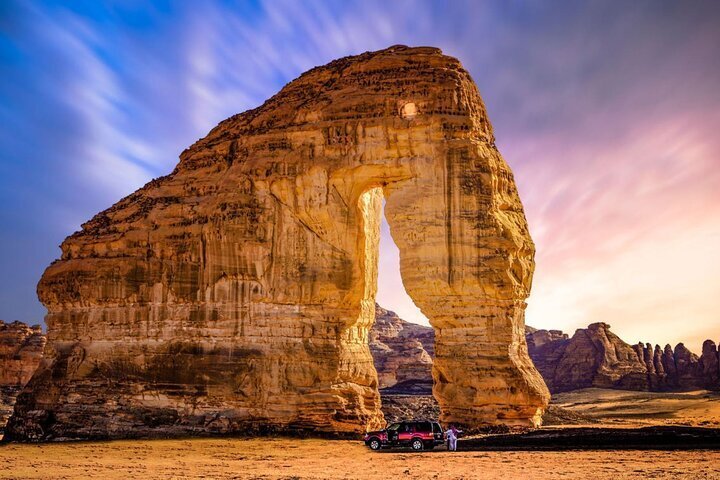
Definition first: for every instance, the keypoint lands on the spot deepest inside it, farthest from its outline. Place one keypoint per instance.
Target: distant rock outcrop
(592, 357)
(21, 349)
(710, 362)
(402, 353)
(596, 357)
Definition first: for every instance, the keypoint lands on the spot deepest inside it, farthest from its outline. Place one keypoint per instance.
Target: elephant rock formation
(236, 293)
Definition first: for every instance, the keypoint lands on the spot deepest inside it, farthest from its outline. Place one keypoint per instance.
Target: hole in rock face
(391, 293)
(409, 110)
(402, 341)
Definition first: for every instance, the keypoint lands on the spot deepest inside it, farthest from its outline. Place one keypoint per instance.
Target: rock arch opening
(391, 291)
(401, 341)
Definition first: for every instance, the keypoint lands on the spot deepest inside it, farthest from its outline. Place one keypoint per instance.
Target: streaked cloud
(607, 113)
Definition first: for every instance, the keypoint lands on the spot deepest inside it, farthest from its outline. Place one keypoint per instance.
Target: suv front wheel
(417, 444)
(374, 444)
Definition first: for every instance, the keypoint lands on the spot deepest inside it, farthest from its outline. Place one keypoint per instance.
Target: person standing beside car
(452, 434)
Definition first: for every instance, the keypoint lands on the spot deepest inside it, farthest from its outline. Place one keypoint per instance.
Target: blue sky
(608, 112)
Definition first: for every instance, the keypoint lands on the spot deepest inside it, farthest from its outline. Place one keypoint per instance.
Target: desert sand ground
(285, 458)
(280, 458)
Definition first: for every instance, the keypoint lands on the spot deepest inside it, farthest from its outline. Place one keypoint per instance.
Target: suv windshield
(394, 426)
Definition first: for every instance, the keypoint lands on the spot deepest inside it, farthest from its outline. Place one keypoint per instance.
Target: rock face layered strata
(593, 357)
(596, 357)
(21, 350)
(237, 292)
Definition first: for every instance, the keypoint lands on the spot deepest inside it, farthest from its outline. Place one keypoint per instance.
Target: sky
(607, 112)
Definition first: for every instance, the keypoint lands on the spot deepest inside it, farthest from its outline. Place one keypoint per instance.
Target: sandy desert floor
(626, 408)
(289, 458)
(283, 458)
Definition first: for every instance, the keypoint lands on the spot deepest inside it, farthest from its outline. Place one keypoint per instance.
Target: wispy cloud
(606, 113)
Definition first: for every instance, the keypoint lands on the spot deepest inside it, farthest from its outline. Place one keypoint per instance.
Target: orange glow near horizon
(634, 246)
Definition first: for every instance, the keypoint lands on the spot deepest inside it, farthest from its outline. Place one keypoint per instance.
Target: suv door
(393, 432)
(406, 432)
(438, 431)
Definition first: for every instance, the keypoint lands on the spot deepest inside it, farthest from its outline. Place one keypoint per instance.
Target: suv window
(407, 427)
(394, 426)
(436, 427)
(423, 427)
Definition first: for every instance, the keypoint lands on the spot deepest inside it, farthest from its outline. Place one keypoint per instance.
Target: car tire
(374, 444)
(417, 444)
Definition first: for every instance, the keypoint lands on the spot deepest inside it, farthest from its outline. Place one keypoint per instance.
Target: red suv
(417, 435)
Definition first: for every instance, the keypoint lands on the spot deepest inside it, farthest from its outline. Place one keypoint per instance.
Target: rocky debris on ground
(396, 408)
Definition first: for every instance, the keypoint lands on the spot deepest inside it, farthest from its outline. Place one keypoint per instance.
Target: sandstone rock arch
(237, 292)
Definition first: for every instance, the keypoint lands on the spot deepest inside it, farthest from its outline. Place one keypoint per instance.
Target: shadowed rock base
(236, 293)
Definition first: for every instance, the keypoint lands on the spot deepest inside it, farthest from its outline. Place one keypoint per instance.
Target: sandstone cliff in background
(593, 357)
(236, 293)
(596, 357)
(21, 351)
(402, 353)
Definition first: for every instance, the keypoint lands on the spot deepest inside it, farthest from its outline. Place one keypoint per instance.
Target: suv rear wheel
(374, 444)
(417, 444)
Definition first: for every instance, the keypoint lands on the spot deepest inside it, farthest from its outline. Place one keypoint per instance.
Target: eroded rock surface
(236, 293)
(21, 350)
(710, 363)
(596, 357)
(593, 357)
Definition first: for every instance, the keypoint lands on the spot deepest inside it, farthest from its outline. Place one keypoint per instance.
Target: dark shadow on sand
(589, 438)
